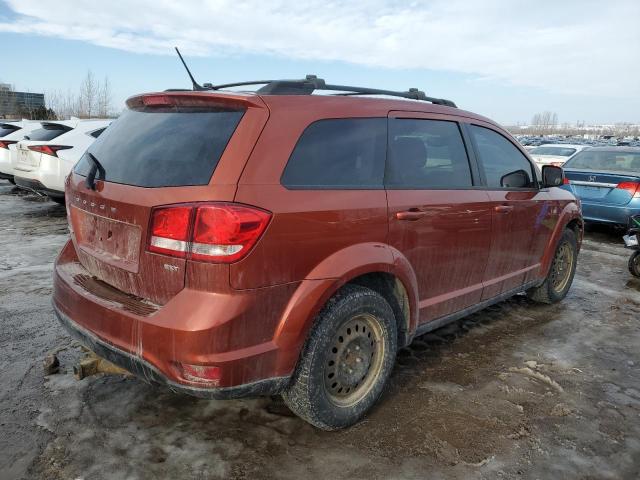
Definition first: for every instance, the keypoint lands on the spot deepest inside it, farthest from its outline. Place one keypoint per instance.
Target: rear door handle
(503, 208)
(410, 215)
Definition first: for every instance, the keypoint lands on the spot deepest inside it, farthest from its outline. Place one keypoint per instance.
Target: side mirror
(552, 176)
(517, 179)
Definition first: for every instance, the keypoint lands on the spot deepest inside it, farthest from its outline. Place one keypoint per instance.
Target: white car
(554, 153)
(10, 133)
(42, 164)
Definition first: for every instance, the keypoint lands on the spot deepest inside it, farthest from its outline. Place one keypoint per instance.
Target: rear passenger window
(499, 158)
(339, 154)
(426, 154)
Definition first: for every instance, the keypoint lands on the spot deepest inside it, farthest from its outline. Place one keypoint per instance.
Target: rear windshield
(49, 131)
(556, 151)
(6, 129)
(608, 160)
(163, 147)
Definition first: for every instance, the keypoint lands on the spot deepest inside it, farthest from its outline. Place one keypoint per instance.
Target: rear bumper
(148, 373)
(36, 186)
(611, 214)
(6, 169)
(233, 331)
(50, 173)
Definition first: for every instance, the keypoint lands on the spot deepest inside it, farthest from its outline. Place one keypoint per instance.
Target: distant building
(16, 104)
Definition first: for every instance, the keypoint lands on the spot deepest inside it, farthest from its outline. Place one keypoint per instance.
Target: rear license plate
(111, 241)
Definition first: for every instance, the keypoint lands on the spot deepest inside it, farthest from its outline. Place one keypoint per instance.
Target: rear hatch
(610, 177)
(165, 149)
(29, 152)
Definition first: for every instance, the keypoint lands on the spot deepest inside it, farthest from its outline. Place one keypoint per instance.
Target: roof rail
(311, 83)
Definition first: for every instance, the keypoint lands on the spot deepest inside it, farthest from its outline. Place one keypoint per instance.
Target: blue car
(607, 181)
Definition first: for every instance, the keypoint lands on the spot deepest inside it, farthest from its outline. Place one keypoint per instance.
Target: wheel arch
(570, 218)
(371, 265)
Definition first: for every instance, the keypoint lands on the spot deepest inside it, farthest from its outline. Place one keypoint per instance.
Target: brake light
(632, 187)
(565, 181)
(5, 143)
(170, 231)
(156, 100)
(48, 149)
(209, 232)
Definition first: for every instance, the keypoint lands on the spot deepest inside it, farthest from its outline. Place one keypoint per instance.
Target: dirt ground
(516, 391)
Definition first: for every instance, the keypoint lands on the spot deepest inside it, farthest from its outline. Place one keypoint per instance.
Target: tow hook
(92, 364)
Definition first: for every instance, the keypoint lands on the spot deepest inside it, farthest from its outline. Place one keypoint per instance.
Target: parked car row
(601, 141)
(38, 155)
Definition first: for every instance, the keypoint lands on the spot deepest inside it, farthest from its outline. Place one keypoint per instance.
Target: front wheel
(634, 264)
(346, 360)
(563, 269)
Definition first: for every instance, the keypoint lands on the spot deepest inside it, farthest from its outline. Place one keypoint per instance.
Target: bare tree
(104, 98)
(66, 104)
(544, 123)
(89, 90)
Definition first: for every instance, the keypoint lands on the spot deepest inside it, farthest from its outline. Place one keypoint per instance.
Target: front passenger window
(426, 154)
(504, 165)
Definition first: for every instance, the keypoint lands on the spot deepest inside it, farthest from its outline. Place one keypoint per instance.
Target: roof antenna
(196, 86)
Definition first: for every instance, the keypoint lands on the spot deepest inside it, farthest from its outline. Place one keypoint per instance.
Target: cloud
(588, 47)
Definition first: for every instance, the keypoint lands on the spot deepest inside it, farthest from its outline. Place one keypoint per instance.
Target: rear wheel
(346, 361)
(634, 264)
(563, 269)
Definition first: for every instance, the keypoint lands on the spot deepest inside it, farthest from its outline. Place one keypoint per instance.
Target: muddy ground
(517, 391)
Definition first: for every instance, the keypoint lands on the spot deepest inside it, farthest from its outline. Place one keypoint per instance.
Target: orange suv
(231, 244)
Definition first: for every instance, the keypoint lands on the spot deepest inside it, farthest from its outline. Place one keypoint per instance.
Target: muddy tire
(634, 264)
(346, 360)
(563, 269)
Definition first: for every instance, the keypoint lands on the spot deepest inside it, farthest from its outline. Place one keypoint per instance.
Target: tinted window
(612, 160)
(339, 153)
(6, 129)
(500, 157)
(97, 133)
(49, 131)
(163, 147)
(426, 154)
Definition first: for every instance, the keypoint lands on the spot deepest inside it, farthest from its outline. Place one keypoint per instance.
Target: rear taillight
(170, 231)
(565, 181)
(208, 232)
(48, 149)
(5, 143)
(632, 187)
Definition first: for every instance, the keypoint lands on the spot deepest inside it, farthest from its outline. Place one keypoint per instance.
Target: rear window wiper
(96, 167)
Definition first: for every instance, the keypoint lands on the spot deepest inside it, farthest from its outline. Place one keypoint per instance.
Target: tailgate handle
(410, 215)
(503, 208)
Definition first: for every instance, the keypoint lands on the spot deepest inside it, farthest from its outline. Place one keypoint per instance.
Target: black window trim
(534, 173)
(337, 187)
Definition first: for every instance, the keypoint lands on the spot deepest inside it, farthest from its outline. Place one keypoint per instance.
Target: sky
(506, 59)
